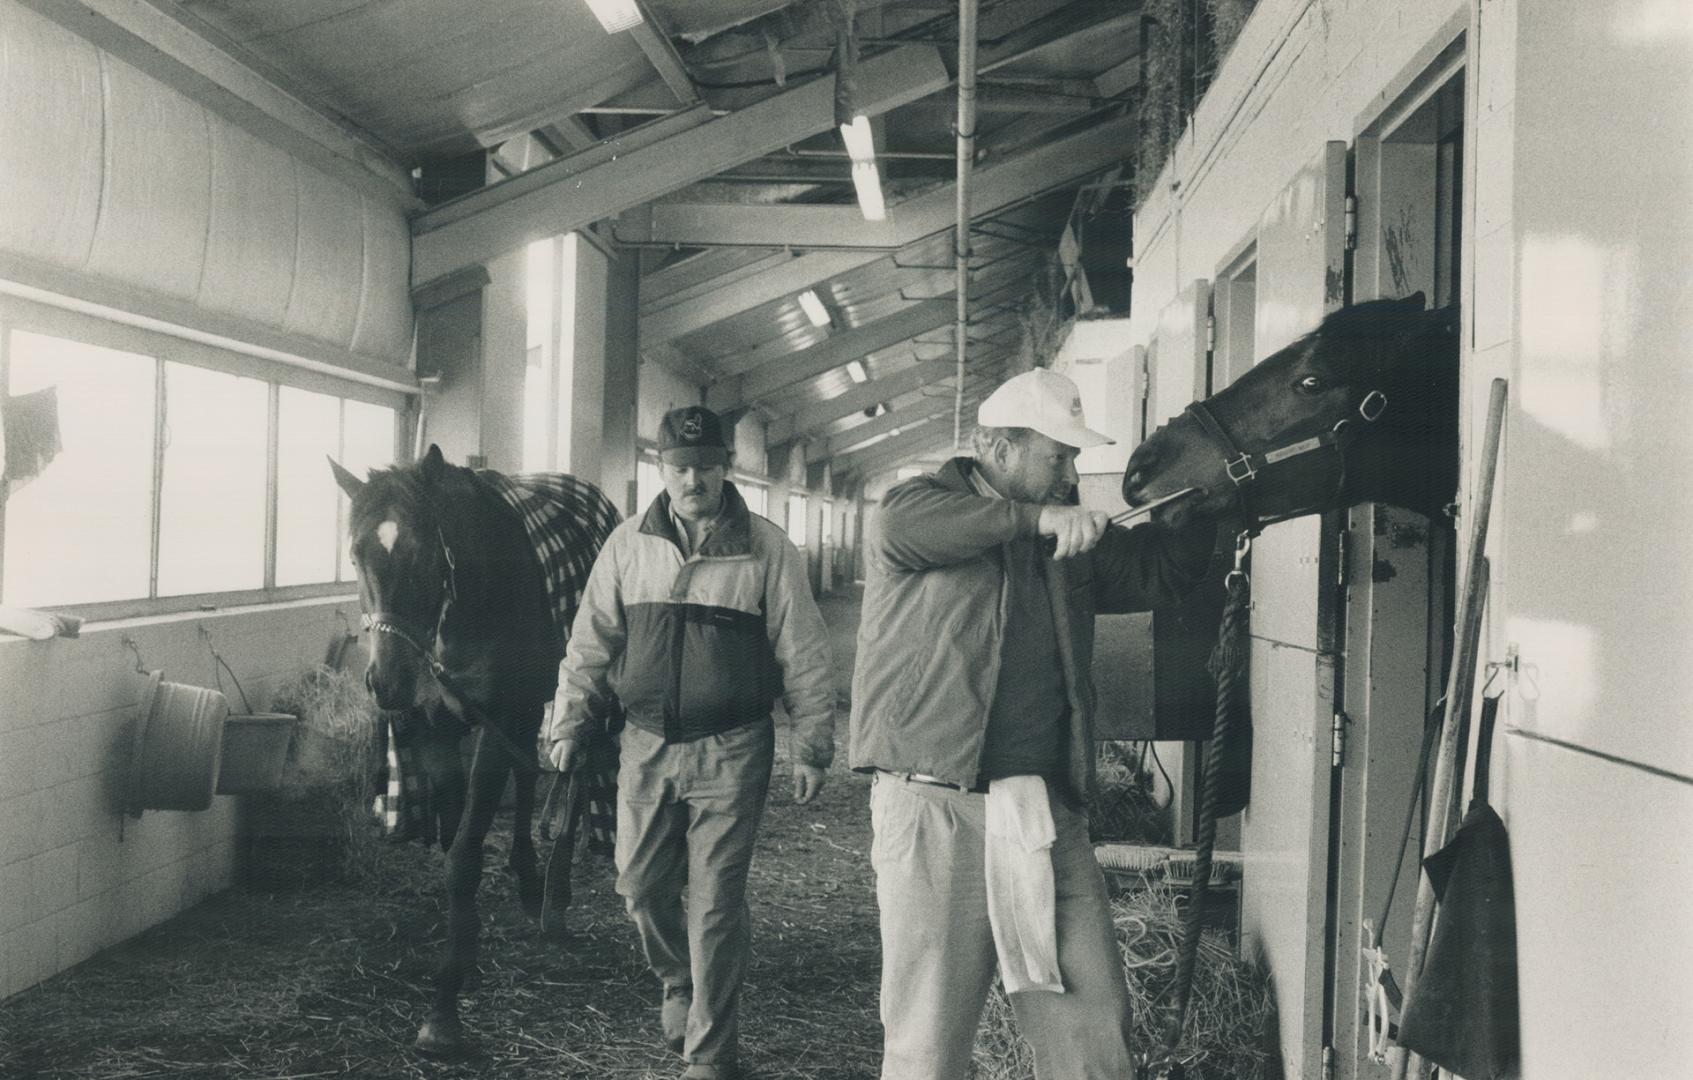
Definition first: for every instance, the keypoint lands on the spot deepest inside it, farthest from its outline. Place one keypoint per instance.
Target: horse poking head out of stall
(1362, 409)
(469, 582)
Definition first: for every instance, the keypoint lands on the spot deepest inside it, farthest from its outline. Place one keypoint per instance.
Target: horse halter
(1243, 468)
(388, 622)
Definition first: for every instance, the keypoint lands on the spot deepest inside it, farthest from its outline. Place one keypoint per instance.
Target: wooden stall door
(1285, 833)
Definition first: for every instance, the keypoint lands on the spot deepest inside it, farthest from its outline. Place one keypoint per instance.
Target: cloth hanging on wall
(1462, 1014)
(31, 434)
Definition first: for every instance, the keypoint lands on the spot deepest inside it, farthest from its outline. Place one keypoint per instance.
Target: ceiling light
(615, 15)
(814, 309)
(856, 370)
(860, 144)
(868, 183)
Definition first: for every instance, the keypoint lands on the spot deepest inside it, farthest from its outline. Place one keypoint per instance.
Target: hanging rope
(1228, 668)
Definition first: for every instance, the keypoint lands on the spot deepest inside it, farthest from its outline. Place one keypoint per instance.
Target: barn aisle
(333, 981)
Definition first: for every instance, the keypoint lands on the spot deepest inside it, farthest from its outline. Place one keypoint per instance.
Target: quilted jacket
(700, 645)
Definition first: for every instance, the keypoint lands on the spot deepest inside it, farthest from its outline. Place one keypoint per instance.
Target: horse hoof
(440, 1037)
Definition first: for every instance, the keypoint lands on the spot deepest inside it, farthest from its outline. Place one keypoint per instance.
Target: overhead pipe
(961, 232)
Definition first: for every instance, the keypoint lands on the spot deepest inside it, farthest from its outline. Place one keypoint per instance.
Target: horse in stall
(468, 608)
(1362, 409)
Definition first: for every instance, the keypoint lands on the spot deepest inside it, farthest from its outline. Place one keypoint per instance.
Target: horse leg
(442, 1033)
(447, 784)
(522, 859)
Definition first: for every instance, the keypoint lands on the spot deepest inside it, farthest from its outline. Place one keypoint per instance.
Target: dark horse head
(448, 582)
(1363, 408)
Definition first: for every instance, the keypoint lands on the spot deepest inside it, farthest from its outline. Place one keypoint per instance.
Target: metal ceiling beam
(569, 131)
(664, 59)
(845, 442)
(994, 188)
(498, 219)
(810, 226)
(840, 350)
(924, 439)
(703, 273)
(863, 395)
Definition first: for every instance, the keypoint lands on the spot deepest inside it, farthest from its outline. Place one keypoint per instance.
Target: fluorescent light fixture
(814, 309)
(856, 370)
(859, 142)
(867, 181)
(615, 15)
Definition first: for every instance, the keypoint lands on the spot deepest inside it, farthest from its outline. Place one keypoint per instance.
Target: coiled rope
(1228, 667)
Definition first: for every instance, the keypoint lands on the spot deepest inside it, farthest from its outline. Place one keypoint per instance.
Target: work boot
(673, 1015)
(703, 1070)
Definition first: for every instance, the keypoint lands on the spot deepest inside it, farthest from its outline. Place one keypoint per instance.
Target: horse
(466, 619)
(1362, 409)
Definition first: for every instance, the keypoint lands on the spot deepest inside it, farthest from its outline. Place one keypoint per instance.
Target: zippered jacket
(935, 606)
(697, 646)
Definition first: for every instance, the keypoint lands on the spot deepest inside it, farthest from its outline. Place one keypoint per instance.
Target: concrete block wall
(76, 874)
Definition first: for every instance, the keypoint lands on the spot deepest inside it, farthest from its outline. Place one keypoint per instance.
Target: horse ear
(351, 484)
(1415, 302)
(434, 465)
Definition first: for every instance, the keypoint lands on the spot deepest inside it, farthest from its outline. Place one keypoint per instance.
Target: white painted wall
(1098, 357)
(69, 885)
(660, 391)
(1580, 299)
(1576, 241)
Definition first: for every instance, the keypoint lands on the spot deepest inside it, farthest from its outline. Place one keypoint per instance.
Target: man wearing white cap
(973, 705)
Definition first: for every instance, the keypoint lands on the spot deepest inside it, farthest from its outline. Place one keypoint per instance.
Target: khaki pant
(687, 815)
(938, 957)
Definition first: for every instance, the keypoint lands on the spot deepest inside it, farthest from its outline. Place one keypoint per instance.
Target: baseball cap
(692, 435)
(1042, 400)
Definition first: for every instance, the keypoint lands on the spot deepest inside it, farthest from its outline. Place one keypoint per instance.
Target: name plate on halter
(1273, 456)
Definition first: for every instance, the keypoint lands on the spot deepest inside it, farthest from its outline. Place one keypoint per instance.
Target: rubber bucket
(178, 746)
(255, 751)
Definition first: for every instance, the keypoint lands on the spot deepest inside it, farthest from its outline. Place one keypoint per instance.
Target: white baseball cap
(1042, 400)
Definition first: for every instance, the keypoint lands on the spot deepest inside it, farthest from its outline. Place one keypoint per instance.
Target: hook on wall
(129, 643)
(1516, 673)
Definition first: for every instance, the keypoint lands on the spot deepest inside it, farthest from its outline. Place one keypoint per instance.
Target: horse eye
(1311, 384)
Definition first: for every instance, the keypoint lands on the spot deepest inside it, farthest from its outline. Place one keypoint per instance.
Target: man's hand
(1076, 529)
(808, 781)
(563, 754)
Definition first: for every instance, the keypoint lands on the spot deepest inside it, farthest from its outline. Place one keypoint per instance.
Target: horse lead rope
(1227, 666)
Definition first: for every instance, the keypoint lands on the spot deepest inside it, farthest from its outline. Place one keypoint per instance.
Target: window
(212, 488)
(648, 483)
(757, 496)
(550, 287)
(796, 519)
(162, 482)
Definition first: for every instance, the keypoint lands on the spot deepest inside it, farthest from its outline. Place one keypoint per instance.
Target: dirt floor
(334, 981)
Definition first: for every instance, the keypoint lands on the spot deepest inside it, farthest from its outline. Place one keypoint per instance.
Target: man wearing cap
(981, 741)
(698, 615)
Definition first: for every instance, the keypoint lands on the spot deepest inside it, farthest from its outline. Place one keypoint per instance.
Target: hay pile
(1123, 806)
(318, 823)
(1228, 1019)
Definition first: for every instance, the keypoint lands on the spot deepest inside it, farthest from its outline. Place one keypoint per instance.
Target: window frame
(18, 313)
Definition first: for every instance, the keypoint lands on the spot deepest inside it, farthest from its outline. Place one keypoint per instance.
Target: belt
(981, 787)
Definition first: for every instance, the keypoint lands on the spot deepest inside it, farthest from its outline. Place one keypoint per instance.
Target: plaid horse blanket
(568, 521)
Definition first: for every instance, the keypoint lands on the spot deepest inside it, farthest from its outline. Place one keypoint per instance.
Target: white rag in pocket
(1022, 903)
